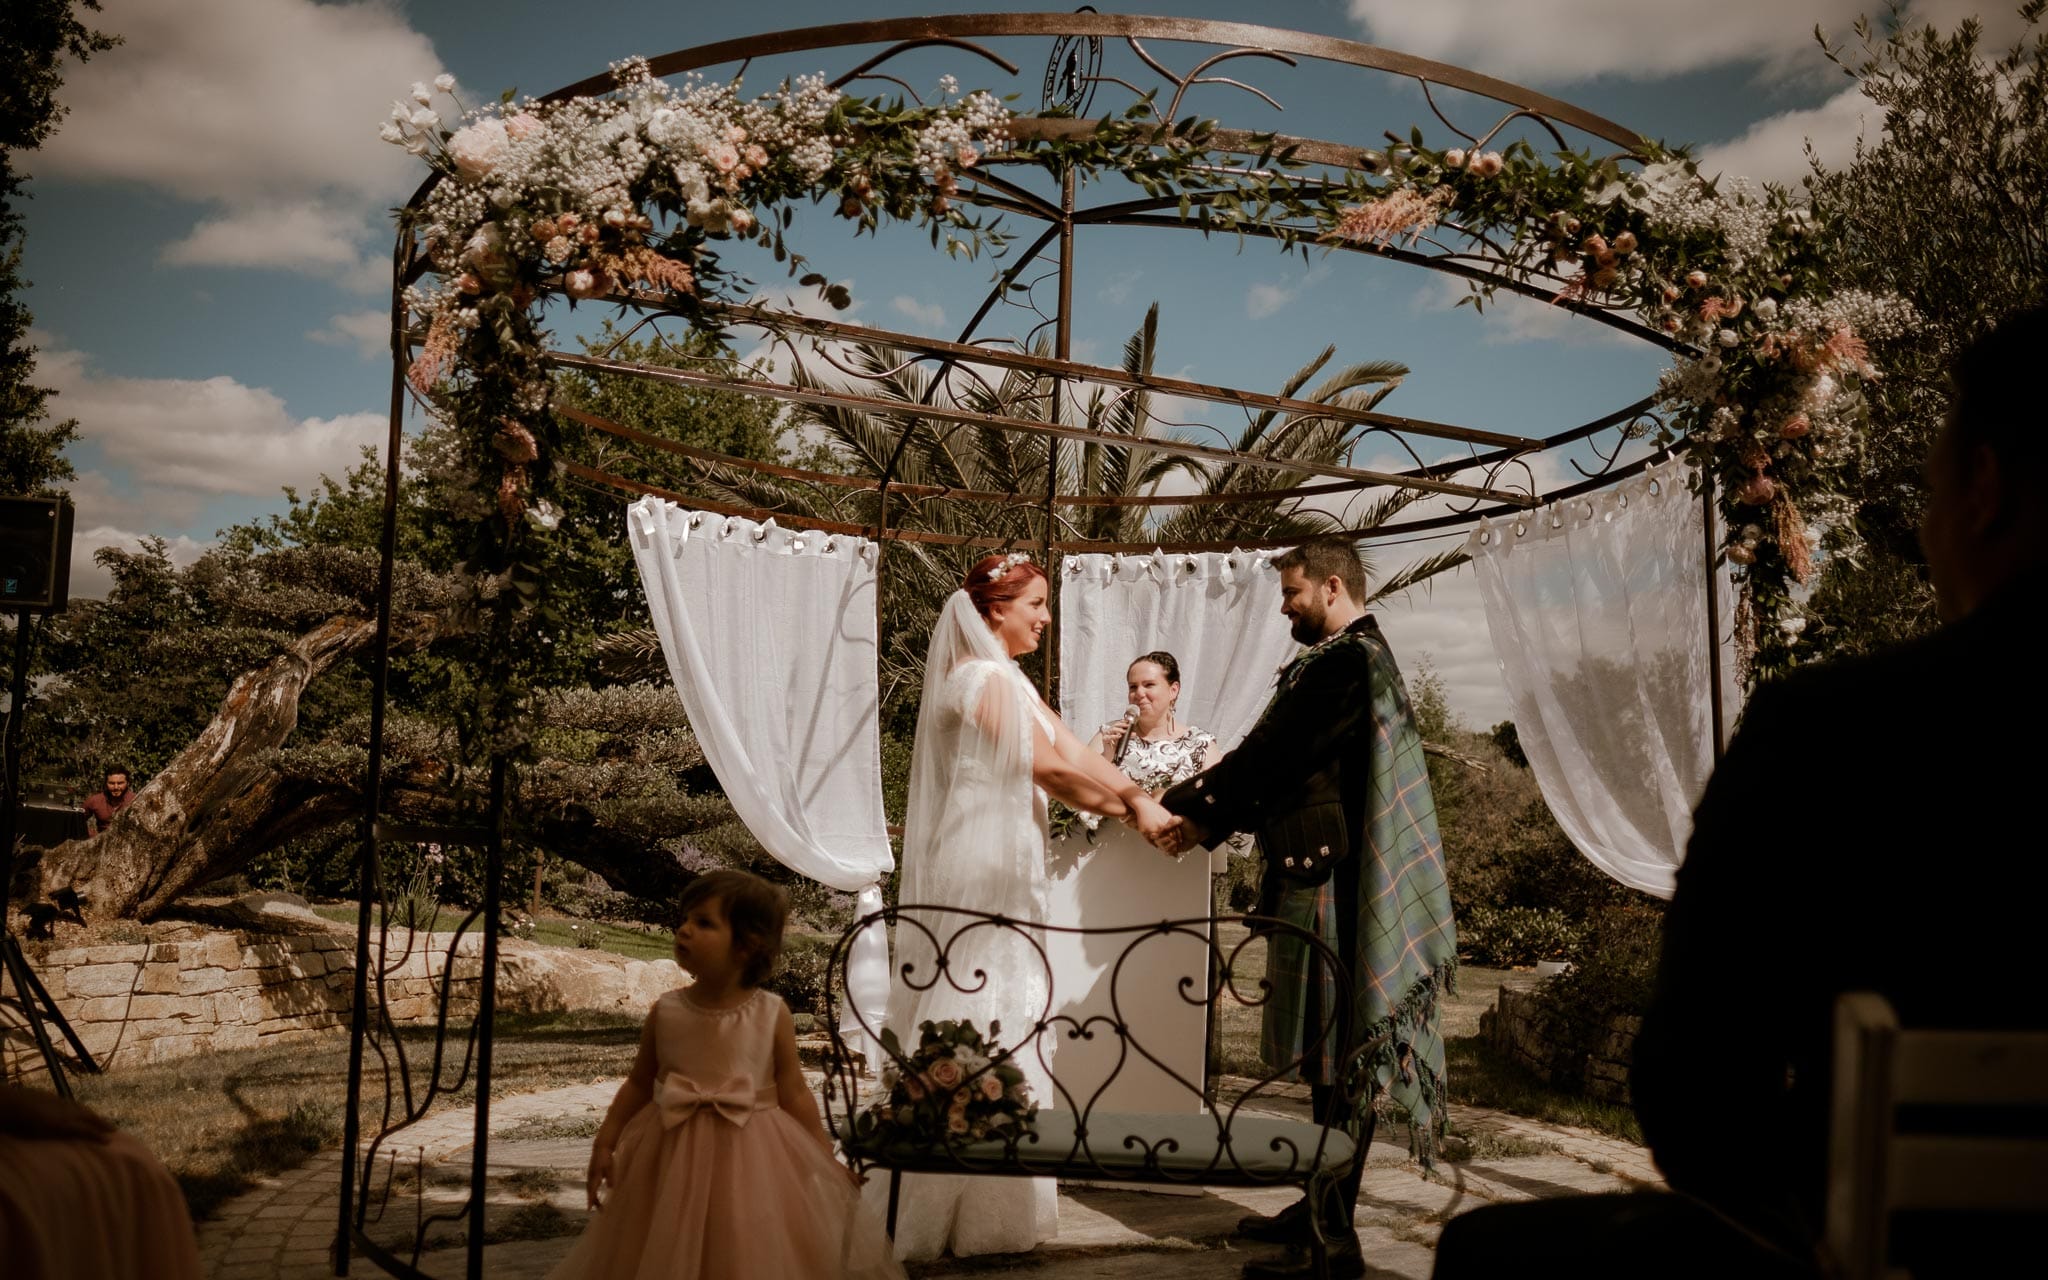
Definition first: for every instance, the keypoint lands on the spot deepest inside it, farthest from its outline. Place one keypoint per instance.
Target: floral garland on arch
(639, 188)
(594, 195)
(1764, 389)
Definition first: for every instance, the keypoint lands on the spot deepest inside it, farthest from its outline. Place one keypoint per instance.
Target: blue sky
(210, 227)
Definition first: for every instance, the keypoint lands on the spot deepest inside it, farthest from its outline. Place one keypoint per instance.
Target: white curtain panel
(1598, 610)
(770, 635)
(1217, 613)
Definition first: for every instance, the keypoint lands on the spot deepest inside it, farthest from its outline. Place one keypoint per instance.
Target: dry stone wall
(146, 1002)
(1517, 1026)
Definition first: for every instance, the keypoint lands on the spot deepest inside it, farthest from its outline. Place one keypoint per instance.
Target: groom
(1331, 779)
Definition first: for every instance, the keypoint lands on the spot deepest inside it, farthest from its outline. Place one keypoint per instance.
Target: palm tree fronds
(1419, 571)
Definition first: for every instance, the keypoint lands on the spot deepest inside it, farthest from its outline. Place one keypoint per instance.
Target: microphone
(1123, 744)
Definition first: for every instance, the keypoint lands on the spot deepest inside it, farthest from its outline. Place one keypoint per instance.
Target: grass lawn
(220, 1121)
(551, 931)
(1479, 1076)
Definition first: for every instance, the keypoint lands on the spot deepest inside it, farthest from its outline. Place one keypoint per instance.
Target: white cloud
(1267, 299)
(1774, 148)
(269, 112)
(369, 332)
(1567, 40)
(1116, 288)
(1262, 300)
(1445, 617)
(1573, 40)
(1514, 317)
(929, 314)
(207, 436)
(90, 581)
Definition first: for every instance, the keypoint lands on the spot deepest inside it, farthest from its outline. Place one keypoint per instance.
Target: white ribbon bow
(680, 1098)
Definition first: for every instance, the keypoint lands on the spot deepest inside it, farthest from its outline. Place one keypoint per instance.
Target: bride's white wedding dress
(974, 836)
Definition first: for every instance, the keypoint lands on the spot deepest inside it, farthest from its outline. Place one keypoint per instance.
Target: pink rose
(967, 156)
(1454, 158)
(1625, 242)
(945, 1073)
(991, 1088)
(521, 125)
(735, 134)
(1697, 279)
(724, 157)
(757, 157)
(742, 221)
(956, 1123)
(558, 248)
(1486, 166)
(914, 1086)
(476, 149)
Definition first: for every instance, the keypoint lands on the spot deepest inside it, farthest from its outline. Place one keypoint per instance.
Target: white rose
(425, 119)
(421, 94)
(476, 149)
(445, 82)
(391, 133)
(1767, 308)
(690, 181)
(1792, 626)
(1728, 337)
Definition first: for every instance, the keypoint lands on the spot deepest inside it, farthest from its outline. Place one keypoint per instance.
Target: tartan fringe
(1419, 1013)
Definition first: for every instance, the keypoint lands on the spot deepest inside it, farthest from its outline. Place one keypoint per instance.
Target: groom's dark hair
(1321, 558)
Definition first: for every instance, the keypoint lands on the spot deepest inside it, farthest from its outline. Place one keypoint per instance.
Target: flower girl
(712, 1161)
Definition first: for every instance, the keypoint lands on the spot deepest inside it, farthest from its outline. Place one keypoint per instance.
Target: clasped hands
(1170, 833)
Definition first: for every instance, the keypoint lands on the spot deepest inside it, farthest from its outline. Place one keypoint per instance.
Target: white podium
(1121, 880)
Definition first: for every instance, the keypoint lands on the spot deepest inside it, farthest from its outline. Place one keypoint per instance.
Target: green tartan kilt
(1304, 991)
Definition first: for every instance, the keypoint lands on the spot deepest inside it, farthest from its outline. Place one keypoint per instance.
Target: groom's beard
(1308, 630)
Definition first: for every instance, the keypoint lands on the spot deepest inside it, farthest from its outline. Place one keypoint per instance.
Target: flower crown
(1010, 562)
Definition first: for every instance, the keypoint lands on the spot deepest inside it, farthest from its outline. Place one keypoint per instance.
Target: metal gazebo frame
(1477, 481)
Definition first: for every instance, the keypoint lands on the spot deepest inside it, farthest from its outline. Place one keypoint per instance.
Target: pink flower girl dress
(713, 1180)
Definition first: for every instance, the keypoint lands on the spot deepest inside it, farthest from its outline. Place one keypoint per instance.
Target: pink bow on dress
(680, 1097)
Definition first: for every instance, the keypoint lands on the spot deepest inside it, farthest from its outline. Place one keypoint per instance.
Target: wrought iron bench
(1235, 1142)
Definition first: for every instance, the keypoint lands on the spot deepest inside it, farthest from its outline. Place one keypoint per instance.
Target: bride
(987, 754)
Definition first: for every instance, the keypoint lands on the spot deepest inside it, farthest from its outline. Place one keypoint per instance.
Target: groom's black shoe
(1289, 1226)
(1347, 1262)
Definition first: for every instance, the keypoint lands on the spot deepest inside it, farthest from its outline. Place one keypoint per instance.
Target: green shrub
(799, 977)
(1502, 937)
(1612, 976)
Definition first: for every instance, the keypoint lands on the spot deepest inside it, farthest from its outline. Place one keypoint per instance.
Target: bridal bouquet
(954, 1086)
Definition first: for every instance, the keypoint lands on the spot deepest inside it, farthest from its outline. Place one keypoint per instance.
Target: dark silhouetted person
(1873, 827)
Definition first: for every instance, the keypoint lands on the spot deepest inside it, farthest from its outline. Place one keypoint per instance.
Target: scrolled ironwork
(1074, 1135)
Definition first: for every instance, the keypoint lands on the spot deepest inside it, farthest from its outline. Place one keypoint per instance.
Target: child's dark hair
(755, 911)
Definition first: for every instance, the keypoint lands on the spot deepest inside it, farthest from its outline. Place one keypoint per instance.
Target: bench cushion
(1130, 1145)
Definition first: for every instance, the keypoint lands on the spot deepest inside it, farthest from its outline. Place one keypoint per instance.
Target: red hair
(986, 591)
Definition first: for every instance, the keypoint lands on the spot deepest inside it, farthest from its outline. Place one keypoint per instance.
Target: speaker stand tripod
(30, 996)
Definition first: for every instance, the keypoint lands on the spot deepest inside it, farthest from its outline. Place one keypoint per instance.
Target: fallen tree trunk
(221, 800)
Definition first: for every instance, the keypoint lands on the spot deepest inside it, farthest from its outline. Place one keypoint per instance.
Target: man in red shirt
(101, 806)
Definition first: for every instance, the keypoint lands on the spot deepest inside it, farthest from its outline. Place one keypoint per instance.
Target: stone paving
(541, 1141)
